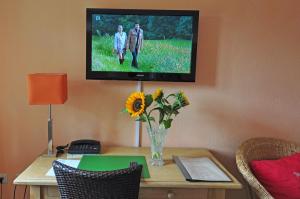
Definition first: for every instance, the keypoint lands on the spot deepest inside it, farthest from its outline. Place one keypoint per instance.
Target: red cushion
(280, 177)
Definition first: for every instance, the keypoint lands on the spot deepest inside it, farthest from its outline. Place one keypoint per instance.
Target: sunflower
(183, 99)
(157, 94)
(135, 104)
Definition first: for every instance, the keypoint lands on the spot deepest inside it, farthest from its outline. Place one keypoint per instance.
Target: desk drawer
(172, 193)
(51, 192)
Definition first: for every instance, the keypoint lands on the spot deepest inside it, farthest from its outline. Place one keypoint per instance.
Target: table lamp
(47, 89)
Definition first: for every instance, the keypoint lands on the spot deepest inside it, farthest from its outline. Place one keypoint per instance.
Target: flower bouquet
(142, 108)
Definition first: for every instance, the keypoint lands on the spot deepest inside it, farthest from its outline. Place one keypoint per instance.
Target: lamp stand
(138, 124)
(50, 139)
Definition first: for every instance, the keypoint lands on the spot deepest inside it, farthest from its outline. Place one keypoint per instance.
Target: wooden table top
(167, 176)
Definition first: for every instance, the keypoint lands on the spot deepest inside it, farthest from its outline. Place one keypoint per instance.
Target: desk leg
(216, 194)
(35, 192)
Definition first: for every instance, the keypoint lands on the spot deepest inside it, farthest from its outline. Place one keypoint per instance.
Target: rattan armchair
(259, 149)
(78, 184)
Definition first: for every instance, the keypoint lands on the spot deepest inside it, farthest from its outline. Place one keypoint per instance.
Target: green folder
(109, 163)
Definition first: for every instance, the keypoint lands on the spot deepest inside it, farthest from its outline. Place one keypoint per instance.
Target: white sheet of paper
(71, 163)
(78, 156)
(203, 169)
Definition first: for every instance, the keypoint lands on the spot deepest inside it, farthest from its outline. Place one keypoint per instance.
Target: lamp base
(44, 153)
(50, 138)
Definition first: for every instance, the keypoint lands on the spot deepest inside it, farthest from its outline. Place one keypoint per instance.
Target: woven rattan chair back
(261, 149)
(79, 184)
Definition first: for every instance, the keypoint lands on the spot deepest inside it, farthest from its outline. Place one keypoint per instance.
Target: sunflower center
(137, 104)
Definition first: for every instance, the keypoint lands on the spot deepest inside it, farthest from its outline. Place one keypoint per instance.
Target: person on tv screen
(135, 43)
(120, 43)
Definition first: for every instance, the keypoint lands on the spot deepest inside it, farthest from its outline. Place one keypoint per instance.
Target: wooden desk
(165, 182)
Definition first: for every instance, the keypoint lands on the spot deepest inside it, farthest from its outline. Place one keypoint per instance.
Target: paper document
(78, 156)
(201, 169)
(71, 163)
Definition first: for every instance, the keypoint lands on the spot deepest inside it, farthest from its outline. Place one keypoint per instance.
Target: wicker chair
(79, 184)
(259, 149)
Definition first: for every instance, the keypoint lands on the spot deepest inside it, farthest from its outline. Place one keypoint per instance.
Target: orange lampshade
(47, 88)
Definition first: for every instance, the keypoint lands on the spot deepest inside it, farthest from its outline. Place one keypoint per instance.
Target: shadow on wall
(207, 54)
(234, 127)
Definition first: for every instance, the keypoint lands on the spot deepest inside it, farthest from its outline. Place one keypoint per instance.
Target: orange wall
(247, 78)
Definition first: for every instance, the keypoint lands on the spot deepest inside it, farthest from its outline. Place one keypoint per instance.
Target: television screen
(141, 44)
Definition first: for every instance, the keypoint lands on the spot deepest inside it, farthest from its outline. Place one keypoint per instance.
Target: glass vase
(157, 136)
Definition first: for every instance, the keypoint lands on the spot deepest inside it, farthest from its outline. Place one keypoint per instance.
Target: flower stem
(147, 118)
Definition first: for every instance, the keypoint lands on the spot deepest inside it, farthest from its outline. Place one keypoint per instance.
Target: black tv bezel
(141, 76)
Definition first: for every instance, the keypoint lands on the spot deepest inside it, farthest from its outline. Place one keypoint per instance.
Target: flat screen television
(143, 45)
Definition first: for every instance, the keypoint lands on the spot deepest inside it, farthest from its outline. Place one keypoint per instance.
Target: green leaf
(161, 116)
(151, 118)
(148, 100)
(176, 112)
(160, 105)
(167, 108)
(167, 123)
(124, 110)
(176, 105)
(141, 118)
(159, 100)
